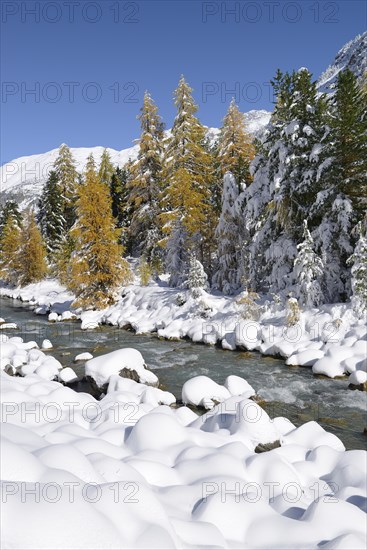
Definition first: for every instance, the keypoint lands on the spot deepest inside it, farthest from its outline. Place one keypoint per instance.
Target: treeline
(286, 220)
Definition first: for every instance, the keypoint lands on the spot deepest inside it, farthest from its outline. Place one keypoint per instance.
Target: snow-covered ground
(331, 339)
(131, 471)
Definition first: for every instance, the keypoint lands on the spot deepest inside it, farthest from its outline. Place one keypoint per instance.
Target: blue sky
(90, 62)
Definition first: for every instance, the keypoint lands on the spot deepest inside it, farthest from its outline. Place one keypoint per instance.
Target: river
(292, 392)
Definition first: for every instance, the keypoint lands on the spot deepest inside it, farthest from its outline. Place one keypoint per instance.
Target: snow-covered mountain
(22, 179)
(352, 55)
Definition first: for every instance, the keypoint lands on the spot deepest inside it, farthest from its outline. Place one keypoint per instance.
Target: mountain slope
(22, 179)
(352, 55)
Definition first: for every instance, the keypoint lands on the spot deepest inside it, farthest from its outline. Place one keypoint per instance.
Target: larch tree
(96, 265)
(106, 168)
(145, 183)
(9, 210)
(186, 198)
(10, 247)
(235, 147)
(32, 254)
(309, 271)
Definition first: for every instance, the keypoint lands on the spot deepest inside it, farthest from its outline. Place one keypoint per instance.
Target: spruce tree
(67, 180)
(227, 275)
(197, 280)
(177, 254)
(121, 209)
(358, 261)
(50, 215)
(32, 254)
(342, 175)
(309, 270)
(145, 183)
(106, 168)
(96, 266)
(235, 147)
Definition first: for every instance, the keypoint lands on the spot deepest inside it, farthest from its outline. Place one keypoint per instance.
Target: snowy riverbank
(130, 472)
(329, 339)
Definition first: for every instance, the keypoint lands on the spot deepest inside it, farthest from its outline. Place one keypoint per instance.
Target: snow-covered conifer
(308, 271)
(358, 261)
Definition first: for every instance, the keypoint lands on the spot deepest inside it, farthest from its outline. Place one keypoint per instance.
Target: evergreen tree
(10, 247)
(358, 260)
(235, 147)
(197, 278)
(341, 201)
(50, 214)
(227, 275)
(67, 180)
(309, 271)
(177, 254)
(145, 182)
(188, 171)
(106, 168)
(9, 210)
(285, 181)
(97, 268)
(121, 209)
(32, 254)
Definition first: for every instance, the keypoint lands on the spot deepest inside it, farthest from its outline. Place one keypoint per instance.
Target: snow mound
(127, 362)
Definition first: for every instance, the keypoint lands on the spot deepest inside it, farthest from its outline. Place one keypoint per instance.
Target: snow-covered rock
(126, 362)
(67, 375)
(46, 344)
(83, 357)
(202, 391)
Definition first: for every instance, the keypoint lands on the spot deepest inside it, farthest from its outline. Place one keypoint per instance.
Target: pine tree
(106, 168)
(145, 182)
(188, 171)
(235, 147)
(97, 268)
(50, 215)
(358, 260)
(197, 280)
(309, 270)
(227, 276)
(10, 247)
(32, 254)
(67, 180)
(9, 210)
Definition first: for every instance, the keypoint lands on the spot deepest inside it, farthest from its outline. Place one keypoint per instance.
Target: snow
(131, 471)
(46, 344)
(103, 367)
(330, 339)
(83, 357)
(67, 375)
(202, 391)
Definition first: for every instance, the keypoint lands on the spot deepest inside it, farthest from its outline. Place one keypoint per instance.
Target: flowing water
(292, 392)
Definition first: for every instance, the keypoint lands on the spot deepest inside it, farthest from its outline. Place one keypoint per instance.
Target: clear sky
(89, 62)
